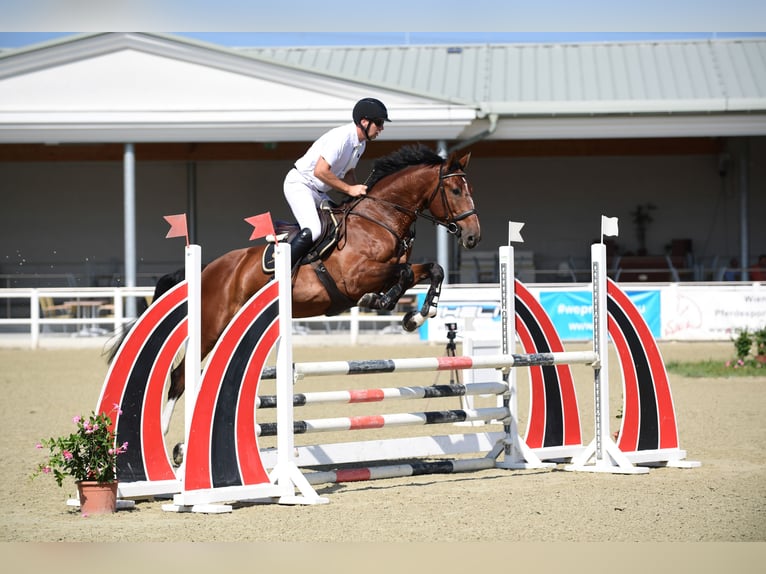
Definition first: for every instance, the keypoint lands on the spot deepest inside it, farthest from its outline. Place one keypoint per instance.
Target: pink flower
(728, 363)
(46, 470)
(67, 455)
(38, 445)
(76, 419)
(117, 408)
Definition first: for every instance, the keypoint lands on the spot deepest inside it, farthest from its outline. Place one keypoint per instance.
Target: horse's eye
(455, 191)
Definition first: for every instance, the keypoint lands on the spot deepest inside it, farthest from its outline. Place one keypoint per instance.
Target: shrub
(743, 343)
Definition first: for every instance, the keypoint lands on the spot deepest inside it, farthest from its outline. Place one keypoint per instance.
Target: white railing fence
(101, 311)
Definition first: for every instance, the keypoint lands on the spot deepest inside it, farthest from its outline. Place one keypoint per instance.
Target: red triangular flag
(262, 225)
(177, 226)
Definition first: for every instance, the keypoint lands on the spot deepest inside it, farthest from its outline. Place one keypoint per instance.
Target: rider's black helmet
(371, 109)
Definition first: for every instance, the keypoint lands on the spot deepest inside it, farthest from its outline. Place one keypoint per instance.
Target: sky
(252, 39)
(344, 22)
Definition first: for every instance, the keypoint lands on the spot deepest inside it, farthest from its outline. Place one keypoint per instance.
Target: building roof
(538, 79)
(151, 87)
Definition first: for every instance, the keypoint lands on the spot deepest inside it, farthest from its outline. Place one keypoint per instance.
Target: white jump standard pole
(516, 452)
(602, 454)
(286, 473)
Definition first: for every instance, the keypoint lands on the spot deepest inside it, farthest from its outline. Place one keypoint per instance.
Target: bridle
(449, 223)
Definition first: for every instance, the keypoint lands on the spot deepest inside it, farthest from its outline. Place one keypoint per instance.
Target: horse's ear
(454, 163)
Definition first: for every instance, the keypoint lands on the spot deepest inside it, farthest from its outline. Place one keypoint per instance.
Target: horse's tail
(164, 284)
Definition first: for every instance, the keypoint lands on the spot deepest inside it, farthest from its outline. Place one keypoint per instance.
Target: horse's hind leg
(434, 271)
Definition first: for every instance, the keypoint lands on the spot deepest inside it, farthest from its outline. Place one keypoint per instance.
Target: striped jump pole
(367, 422)
(384, 394)
(417, 468)
(418, 364)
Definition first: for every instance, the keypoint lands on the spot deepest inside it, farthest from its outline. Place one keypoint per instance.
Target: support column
(129, 196)
(191, 200)
(744, 229)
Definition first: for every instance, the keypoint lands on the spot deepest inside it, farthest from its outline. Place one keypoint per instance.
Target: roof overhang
(622, 126)
(422, 122)
(145, 88)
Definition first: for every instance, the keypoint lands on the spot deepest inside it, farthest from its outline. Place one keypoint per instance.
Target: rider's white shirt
(340, 147)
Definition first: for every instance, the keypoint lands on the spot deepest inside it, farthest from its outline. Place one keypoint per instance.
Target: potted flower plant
(89, 455)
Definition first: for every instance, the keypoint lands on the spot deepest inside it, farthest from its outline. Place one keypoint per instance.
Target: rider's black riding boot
(300, 246)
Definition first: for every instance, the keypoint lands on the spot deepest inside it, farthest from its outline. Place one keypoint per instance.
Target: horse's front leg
(409, 276)
(420, 272)
(387, 301)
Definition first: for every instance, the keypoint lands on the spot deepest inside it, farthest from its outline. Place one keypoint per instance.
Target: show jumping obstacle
(223, 462)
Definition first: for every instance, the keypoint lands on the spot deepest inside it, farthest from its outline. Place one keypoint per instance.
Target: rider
(329, 164)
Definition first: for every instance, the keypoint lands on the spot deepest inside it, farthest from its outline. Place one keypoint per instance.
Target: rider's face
(374, 128)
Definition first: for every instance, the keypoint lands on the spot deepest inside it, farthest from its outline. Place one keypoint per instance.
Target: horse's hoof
(410, 323)
(178, 454)
(366, 300)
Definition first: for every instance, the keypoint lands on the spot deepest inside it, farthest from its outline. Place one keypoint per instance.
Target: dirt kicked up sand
(721, 424)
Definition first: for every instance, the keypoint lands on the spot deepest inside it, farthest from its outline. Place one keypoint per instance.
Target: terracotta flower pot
(97, 497)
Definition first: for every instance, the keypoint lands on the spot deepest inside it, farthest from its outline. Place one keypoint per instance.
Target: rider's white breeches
(303, 201)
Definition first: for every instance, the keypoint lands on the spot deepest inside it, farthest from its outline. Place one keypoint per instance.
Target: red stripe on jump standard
(248, 454)
(125, 360)
(156, 461)
(366, 422)
(536, 426)
(458, 362)
(631, 416)
(365, 395)
(353, 475)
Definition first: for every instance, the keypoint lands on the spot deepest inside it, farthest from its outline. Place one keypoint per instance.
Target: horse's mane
(405, 157)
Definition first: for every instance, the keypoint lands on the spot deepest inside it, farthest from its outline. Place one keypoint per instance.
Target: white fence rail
(88, 312)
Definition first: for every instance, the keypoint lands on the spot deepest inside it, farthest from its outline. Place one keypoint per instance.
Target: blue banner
(572, 312)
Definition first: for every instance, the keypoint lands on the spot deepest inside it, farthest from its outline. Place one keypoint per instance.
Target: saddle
(331, 215)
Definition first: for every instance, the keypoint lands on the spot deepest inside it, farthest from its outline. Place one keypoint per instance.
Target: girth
(338, 301)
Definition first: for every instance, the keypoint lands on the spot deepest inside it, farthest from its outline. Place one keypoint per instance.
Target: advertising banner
(572, 311)
(703, 313)
(477, 311)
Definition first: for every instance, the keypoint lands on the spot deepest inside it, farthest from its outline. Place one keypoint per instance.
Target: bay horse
(369, 266)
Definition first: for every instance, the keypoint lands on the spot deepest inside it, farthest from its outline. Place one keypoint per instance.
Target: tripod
(454, 376)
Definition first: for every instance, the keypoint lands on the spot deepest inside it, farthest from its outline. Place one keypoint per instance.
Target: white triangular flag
(514, 232)
(609, 226)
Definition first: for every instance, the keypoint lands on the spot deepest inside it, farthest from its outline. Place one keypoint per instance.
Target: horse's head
(452, 202)
(407, 181)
